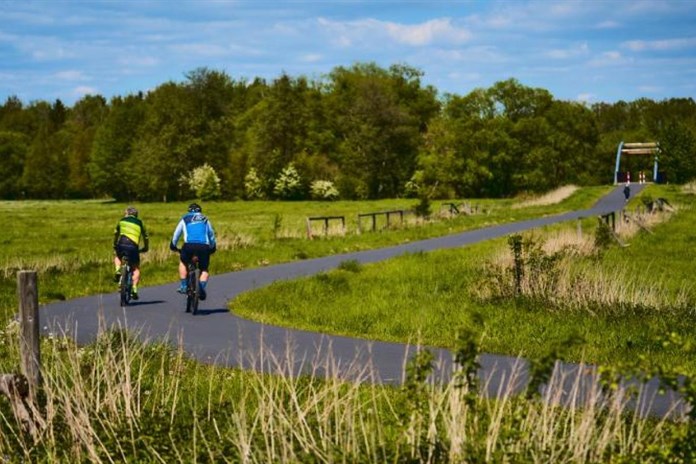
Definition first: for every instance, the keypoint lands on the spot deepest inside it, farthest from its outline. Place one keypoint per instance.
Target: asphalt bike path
(217, 336)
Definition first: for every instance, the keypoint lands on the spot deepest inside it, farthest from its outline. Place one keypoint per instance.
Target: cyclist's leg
(117, 264)
(203, 262)
(184, 258)
(134, 260)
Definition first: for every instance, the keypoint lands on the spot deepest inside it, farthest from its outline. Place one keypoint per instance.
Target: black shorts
(198, 249)
(130, 252)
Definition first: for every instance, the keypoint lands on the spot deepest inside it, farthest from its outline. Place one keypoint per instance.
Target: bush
(323, 190)
(603, 236)
(422, 209)
(253, 187)
(288, 185)
(204, 182)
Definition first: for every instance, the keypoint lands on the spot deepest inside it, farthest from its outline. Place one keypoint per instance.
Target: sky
(587, 51)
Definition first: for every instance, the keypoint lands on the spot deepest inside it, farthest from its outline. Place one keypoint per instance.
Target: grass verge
(619, 301)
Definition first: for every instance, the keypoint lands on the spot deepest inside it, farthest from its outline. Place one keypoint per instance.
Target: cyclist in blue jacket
(199, 240)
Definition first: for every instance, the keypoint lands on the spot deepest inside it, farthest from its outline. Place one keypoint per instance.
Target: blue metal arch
(618, 162)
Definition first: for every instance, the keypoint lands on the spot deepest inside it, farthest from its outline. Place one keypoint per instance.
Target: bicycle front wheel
(125, 287)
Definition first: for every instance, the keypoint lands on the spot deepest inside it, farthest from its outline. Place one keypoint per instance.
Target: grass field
(69, 242)
(118, 400)
(619, 302)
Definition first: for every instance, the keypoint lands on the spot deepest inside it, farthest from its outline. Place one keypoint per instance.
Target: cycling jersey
(130, 231)
(195, 228)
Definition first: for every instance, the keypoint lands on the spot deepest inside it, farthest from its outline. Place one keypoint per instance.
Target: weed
(350, 265)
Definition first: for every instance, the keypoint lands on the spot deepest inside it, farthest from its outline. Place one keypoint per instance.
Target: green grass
(432, 297)
(118, 400)
(69, 242)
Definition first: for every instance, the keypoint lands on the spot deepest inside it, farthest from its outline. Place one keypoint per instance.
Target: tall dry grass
(549, 198)
(118, 400)
(558, 272)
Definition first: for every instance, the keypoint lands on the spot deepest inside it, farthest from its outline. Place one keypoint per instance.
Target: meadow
(604, 305)
(118, 400)
(69, 242)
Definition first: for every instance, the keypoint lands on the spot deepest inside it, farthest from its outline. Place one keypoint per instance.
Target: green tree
(282, 127)
(169, 145)
(13, 151)
(677, 158)
(378, 115)
(113, 147)
(45, 166)
(82, 123)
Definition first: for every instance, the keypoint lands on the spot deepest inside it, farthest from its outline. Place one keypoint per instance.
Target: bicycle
(125, 283)
(193, 292)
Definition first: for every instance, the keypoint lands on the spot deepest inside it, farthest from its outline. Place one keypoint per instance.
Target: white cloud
(586, 97)
(83, 90)
(139, 61)
(311, 57)
(201, 49)
(610, 58)
(660, 45)
(487, 54)
(572, 52)
(650, 89)
(439, 30)
(428, 32)
(71, 75)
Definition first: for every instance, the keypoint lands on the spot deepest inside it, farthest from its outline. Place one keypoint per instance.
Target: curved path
(217, 336)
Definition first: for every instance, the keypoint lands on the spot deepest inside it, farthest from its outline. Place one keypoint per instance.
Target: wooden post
(30, 348)
(374, 222)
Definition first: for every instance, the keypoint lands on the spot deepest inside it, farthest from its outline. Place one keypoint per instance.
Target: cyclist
(129, 233)
(199, 240)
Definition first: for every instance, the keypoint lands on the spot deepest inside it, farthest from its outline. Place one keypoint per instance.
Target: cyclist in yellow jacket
(130, 233)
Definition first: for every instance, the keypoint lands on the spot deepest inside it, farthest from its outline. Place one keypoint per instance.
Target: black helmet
(131, 211)
(195, 208)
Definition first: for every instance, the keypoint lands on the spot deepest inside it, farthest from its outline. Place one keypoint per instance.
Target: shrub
(253, 187)
(288, 185)
(204, 182)
(422, 209)
(323, 190)
(603, 236)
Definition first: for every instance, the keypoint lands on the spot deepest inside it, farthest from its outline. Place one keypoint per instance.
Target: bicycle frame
(125, 284)
(193, 285)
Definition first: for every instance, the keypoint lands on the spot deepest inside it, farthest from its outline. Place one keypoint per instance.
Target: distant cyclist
(129, 234)
(199, 240)
(627, 191)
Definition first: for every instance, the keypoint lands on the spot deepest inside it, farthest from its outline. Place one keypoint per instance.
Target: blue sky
(578, 50)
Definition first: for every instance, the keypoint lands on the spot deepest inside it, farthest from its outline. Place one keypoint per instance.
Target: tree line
(360, 132)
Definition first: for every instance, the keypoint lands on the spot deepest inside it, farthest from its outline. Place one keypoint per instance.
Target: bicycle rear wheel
(125, 285)
(192, 290)
(196, 291)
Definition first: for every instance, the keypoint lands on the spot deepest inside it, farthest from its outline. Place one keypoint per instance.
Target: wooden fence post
(30, 348)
